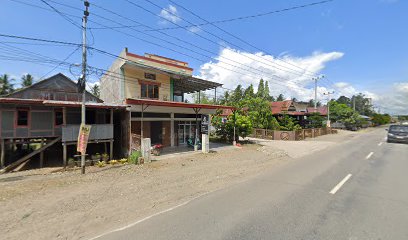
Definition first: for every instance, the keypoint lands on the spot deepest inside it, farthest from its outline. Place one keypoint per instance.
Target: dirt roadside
(66, 205)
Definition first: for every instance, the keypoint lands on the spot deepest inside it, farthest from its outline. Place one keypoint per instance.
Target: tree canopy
(6, 86)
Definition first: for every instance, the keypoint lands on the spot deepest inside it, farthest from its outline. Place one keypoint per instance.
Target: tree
(27, 80)
(344, 100)
(315, 120)
(288, 124)
(311, 103)
(362, 104)
(243, 126)
(266, 91)
(381, 119)
(237, 95)
(6, 87)
(261, 89)
(96, 90)
(201, 98)
(280, 98)
(259, 111)
(225, 99)
(249, 91)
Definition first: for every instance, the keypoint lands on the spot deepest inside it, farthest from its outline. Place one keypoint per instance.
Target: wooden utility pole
(83, 110)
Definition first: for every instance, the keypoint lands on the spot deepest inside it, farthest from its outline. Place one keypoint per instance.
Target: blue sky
(360, 46)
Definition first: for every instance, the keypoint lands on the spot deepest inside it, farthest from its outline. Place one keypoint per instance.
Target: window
(150, 76)
(149, 91)
(58, 118)
(22, 118)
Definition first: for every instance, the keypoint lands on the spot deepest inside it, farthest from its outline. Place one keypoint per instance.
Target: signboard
(84, 131)
(205, 122)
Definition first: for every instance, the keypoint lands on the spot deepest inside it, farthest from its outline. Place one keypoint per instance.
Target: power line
(65, 59)
(195, 33)
(162, 39)
(172, 43)
(61, 14)
(39, 39)
(116, 56)
(247, 17)
(234, 36)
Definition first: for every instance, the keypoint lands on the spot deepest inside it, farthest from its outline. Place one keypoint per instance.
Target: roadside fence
(291, 135)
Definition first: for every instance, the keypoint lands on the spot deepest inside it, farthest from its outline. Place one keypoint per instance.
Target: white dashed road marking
(369, 155)
(381, 143)
(338, 186)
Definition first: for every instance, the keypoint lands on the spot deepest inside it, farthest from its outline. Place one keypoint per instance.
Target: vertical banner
(205, 121)
(84, 131)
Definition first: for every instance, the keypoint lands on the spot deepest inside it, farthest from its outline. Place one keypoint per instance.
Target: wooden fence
(291, 135)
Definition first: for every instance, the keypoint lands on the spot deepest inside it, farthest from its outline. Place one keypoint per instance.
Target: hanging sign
(205, 122)
(84, 131)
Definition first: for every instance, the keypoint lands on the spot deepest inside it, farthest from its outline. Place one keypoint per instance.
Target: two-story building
(154, 87)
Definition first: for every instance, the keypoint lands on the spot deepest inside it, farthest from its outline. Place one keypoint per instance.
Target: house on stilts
(42, 122)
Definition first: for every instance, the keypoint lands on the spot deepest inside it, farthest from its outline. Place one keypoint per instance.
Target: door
(156, 134)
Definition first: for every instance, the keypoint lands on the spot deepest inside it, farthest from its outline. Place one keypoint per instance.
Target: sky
(359, 46)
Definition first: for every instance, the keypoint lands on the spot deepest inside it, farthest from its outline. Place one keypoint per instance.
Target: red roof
(151, 102)
(158, 61)
(321, 110)
(281, 106)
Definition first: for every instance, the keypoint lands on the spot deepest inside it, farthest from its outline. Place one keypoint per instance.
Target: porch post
(41, 153)
(111, 149)
(172, 130)
(64, 154)
(64, 145)
(2, 154)
(141, 125)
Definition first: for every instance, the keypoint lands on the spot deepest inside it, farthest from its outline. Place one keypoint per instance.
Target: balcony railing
(98, 132)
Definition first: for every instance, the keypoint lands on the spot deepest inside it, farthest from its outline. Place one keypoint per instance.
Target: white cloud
(170, 13)
(394, 101)
(300, 85)
(283, 76)
(194, 29)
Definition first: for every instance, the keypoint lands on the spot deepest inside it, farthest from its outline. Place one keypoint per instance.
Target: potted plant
(156, 149)
(134, 157)
(96, 157)
(105, 157)
(71, 162)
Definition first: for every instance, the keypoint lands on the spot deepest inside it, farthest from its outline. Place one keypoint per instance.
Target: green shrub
(134, 157)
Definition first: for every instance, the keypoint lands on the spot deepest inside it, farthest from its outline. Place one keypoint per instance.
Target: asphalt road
(355, 190)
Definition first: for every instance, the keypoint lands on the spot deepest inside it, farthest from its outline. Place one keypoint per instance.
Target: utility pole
(83, 110)
(328, 107)
(315, 88)
(354, 103)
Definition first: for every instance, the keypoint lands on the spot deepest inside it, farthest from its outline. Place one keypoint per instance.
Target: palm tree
(95, 90)
(27, 80)
(6, 86)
